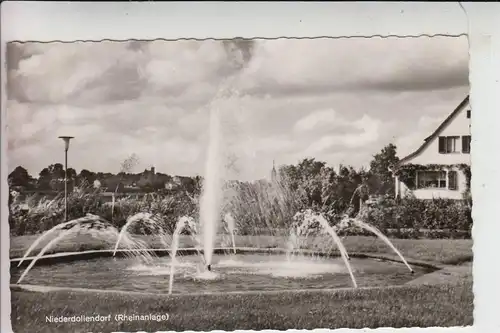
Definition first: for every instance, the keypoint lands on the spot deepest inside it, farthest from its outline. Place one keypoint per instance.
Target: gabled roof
(429, 139)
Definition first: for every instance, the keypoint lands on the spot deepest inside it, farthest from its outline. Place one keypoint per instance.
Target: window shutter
(466, 144)
(452, 180)
(442, 144)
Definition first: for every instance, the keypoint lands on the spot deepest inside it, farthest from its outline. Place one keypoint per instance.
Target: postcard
(240, 182)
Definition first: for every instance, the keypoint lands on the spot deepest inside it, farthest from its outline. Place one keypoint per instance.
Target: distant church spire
(273, 172)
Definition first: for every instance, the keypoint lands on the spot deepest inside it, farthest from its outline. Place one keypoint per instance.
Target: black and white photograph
(239, 184)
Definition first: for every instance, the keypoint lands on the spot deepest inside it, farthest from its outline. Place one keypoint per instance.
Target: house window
(448, 144)
(452, 180)
(466, 144)
(468, 114)
(431, 179)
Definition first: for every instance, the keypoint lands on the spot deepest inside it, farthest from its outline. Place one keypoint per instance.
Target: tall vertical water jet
(212, 188)
(238, 52)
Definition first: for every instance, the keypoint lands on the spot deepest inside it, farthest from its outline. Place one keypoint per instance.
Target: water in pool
(230, 273)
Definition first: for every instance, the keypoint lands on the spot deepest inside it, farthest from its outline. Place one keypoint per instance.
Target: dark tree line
(52, 178)
(318, 181)
(323, 186)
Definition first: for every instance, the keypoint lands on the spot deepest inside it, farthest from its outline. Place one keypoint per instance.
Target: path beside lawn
(446, 275)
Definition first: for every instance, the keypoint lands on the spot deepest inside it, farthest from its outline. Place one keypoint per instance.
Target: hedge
(412, 218)
(404, 218)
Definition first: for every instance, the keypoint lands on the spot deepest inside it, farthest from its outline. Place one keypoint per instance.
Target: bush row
(39, 214)
(414, 218)
(406, 218)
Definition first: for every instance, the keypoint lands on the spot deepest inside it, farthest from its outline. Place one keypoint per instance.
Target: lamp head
(66, 141)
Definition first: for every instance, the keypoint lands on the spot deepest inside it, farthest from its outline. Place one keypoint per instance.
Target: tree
(129, 164)
(44, 179)
(125, 168)
(379, 167)
(52, 177)
(198, 185)
(309, 167)
(20, 177)
(113, 183)
(305, 170)
(86, 177)
(72, 174)
(346, 183)
(311, 181)
(145, 183)
(56, 171)
(48, 177)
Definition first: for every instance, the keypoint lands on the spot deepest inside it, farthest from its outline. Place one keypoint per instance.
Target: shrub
(256, 209)
(410, 218)
(34, 215)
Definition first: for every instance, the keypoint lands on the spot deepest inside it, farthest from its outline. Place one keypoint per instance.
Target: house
(108, 196)
(440, 167)
(173, 183)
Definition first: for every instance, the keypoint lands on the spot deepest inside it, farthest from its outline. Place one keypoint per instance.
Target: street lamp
(66, 147)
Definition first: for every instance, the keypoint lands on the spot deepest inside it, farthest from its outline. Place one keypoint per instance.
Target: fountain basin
(248, 270)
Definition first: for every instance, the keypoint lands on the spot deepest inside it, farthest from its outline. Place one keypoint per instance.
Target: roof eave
(432, 136)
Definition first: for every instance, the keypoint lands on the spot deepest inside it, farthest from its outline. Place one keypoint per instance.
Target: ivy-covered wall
(406, 173)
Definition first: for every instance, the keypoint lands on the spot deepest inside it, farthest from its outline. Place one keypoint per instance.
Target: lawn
(408, 306)
(442, 251)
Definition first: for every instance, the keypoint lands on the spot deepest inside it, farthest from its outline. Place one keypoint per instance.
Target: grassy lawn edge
(403, 306)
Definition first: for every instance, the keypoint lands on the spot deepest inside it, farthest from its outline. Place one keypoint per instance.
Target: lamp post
(66, 147)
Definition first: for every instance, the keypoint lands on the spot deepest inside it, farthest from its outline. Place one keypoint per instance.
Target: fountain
(210, 200)
(231, 226)
(271, 203)
(307, 223)
(296, 264)
(307, 226)
(151, 223)
(383, 237)
(90, 224)
(184, 223)
(189, 225)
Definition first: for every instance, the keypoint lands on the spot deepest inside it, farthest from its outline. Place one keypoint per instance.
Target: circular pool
(230, 273)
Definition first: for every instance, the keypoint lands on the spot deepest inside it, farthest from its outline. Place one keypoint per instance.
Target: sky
(337, 100)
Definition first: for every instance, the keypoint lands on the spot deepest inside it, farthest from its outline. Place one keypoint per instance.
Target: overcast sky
(338, 100)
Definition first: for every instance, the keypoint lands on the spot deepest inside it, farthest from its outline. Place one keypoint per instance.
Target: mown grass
(408, 306)
(443, 251)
